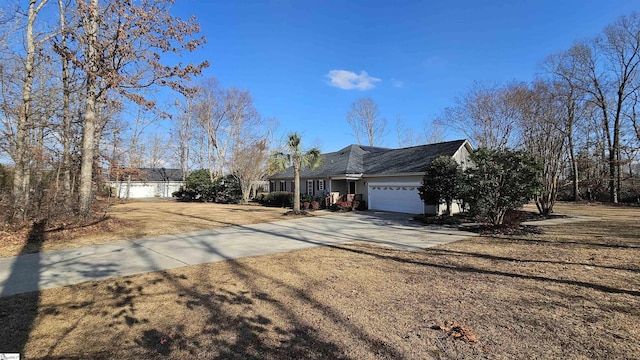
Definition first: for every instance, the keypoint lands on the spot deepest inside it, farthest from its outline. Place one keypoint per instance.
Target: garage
(397, 197)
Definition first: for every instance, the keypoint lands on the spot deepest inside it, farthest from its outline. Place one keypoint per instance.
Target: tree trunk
(66, 114)
(615, 157)
(128, 191)
(613, 190)
(572, 154)
(296, 186)
(89, 129)
(21, 175)
(498, 219)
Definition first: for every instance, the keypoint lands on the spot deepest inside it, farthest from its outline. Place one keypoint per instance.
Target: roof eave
(421, 173)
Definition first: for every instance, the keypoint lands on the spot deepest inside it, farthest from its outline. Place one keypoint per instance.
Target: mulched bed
(512, 222)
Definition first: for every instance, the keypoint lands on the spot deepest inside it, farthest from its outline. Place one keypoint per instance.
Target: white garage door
(395, 197)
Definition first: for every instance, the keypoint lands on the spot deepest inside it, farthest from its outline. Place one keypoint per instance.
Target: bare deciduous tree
(487, 114)
(608, 73)
(365, 121)
(433, 131)
(563, 69)
(224, 116)
(119, 48)
(543, 133)
(406, 135)
(22, 149)
(249, 164)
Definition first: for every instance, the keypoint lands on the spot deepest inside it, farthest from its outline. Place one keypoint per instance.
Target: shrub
(305, 198)
(441, 182)
(499, 181)
(278, 199)
(186, 195)
(342, 206)
(199, 187)
(321, 200)
(227, 190)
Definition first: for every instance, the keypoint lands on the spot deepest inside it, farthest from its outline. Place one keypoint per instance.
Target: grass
(130, 220)
(571, 292)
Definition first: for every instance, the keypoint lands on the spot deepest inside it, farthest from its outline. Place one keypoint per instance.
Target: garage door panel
(395, 197)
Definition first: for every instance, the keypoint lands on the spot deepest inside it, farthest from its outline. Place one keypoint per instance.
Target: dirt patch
(571, 292)
(127, 220)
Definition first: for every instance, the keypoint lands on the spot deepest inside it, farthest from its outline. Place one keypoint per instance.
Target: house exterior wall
(282, 185)
(138, 189)
(462, 156)
(314, 190)
(316, 187)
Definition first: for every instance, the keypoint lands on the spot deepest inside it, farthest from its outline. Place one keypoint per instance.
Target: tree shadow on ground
(470, 269)
(571, 243)
(235, 334)
(448, 252)
(233, 324)
(18, 317)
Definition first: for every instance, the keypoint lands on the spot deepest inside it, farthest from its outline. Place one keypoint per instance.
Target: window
(320, 184)
(282, 186)
(310, 187)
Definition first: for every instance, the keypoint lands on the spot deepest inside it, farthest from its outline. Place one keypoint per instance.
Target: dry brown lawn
(129, 220)
(572, 292)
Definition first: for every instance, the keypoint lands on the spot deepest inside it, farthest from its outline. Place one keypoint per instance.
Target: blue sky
(411, 57)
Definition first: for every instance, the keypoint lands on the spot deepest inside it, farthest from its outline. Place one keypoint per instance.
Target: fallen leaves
(457, 331)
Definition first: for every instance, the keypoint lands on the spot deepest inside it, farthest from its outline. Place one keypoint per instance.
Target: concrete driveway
(51, 269)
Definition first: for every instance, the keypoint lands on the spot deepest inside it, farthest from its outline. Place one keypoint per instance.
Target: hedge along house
(387, 179)
(147, 183)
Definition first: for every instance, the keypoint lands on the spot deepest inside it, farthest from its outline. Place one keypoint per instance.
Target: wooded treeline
(68, 71)
(80, 102)
(579, 117)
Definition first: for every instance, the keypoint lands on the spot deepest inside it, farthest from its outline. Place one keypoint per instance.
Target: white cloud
(397, 83)
(348, 80)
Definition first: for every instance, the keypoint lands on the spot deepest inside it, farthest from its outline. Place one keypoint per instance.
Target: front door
(352, 187)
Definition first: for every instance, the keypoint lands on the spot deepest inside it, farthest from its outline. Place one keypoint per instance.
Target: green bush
(278, 199)
(441, 182)
(499, 181)
(199, 187)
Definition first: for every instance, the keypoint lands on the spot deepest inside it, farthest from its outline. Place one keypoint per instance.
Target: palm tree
(299, 160)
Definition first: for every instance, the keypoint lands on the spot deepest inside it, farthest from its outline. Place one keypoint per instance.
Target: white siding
(148, 189)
